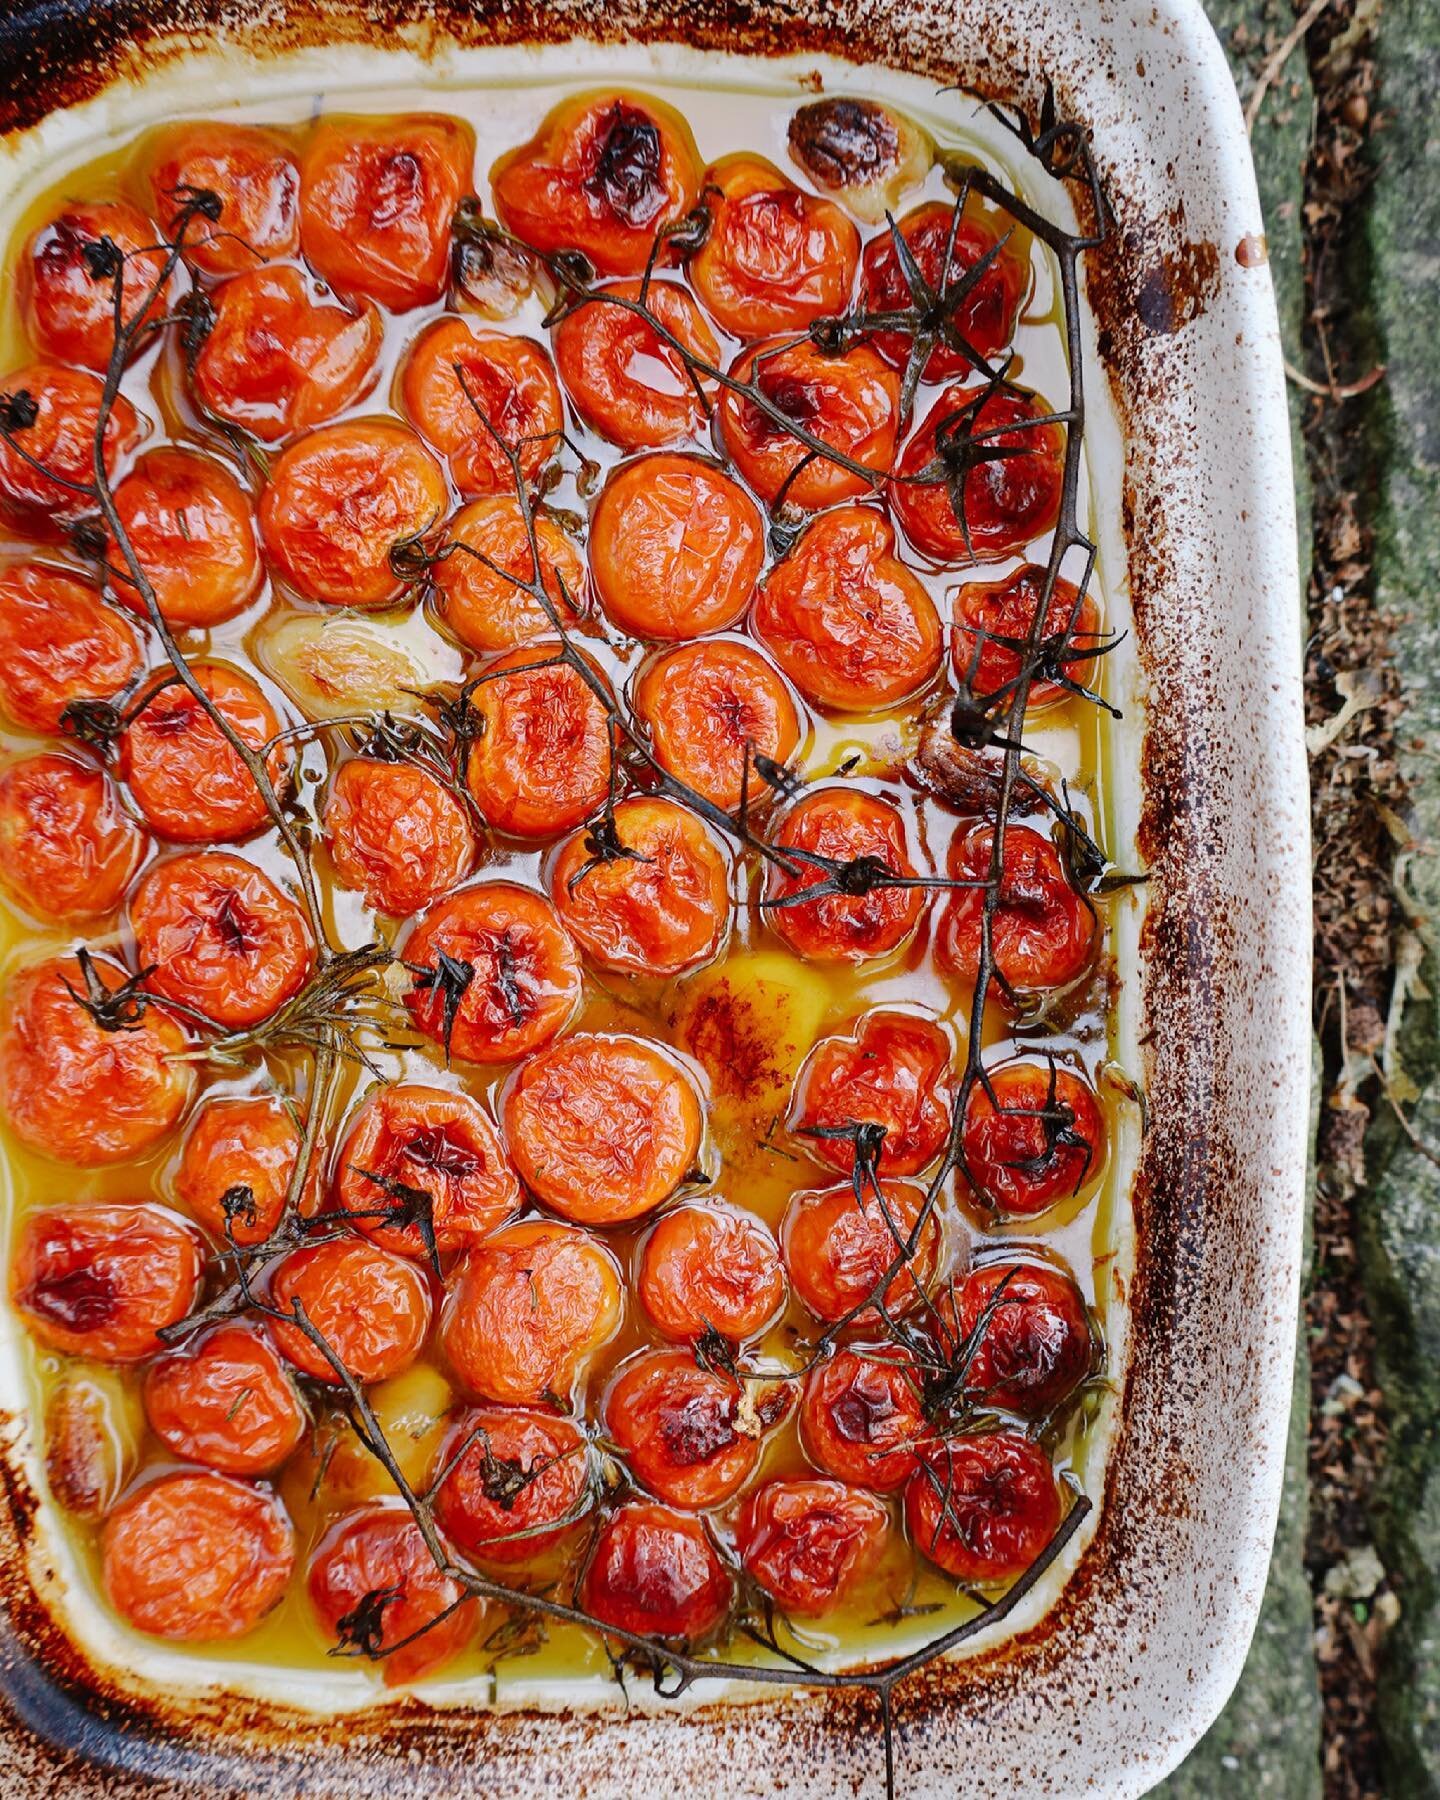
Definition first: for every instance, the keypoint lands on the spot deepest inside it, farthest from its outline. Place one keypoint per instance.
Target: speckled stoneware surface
(1105, 1690)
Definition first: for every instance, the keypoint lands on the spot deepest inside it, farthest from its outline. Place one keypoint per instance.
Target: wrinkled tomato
(214, 932)
(1039, 1141)
(372, 1309)
(469, 392)
(478, 600)
(993, 621)
(710, 1268)
(59, 643)
(658, 903)
(890, 1073)
(862, 1416)
(810, 1544)
(61, 439)
(541, 762)
(236, 1168)
(627, 381)
(252, 174)
(376, 200)
(1027, 1335)
(655, 1573)
(1042, 932)
(101, 1280)
(983, 1508)
(67, 848)
(495, 974)
(676, 546)
(396, 834)
(226, 1401)
(521, 1479)
(837, 1248)
(192, 529)
(858, 839)
(69, 310)
(602, 1129)
(845, 619)
(198, 1558)
(605, 174)
(526, 1310)
(686, 1433)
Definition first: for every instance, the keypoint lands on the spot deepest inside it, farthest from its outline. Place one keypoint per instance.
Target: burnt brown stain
(1176, 288)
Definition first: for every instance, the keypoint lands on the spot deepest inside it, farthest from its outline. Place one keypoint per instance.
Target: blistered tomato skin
(484, 609)
(681, 1430)
(518, 1488)
(59, 643)
(628, 381)
(226, 1401)
(810, 1544)
(68, 849)
(602, 1129)
(524, 976)
(76, 1092)
(68, 313)
(462, 388)
(1042, 932)
(217, 934)
(192, 529)
(380, 1550)
(710, 1268)
(396, 834)
(775, 258)
(837, 1250)
(101, 1280)
(603, 175)
(983, 1508)
(248, 1143)
(658, 904)
(372, 1308)
(891, 1072)
(526, 1310)
(278, 358)
(376, 200)
(541, 762)
(710, 709)
(61, 437)
(993, 622)
(198, 1558)
(840, 826)
(1028, 1333)
(845, 619)
(1039, 1141)
(861, 1417)
(252, 173)
(437, 1143)
(656, 1573)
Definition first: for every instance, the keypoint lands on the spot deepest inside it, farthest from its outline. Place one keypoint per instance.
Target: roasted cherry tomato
(376, 200)
(775, 258)
(602, 1129)
(810, 1544)
(627, 381)
(850, 403)
(862, 1417)
(675, 547)
(655, 1573)
(340, 501)
(983, 1508)
(185, 777)
(462, 389)
(1042, 933)
(541, 762)
(59, 642)
(1024, 1328)
(433, 1142)
(377, 1559)
(604, 174)
(252, 174)
(396, 834)
(225, 1400)
(67, 848)
(75, 1091)
(1008, 500)
(710, 1268)
(481, 606)
(217, 934)
(69, 312)
(526, 1310)
(891, 1072)
(101, 1280)
(838, 1248)
(945, 253)
(853, 831)
(372, 1309)
(993, 621)
(279, 358)
(658, 904)
(1039, 1141)
(495, 974)
(710, 709)
(690, 1435)
(517, 1481)
(60, 437)
(236, 1168)
(845, 619)
(192, 529)
(197, 1557)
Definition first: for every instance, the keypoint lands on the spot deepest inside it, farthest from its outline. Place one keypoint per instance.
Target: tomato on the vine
(845, 829)
(624, 375)
(862, 1416)
(541, 761)
(47, 474)
(1038, 1141)
(1042, 932)
(810, 1544)
(372, 1309)
(67, 307)
(68, 849)
(192, 528)
(235, 1170)
(890, 1072)
(59, 643)
(487, 556)
(656, 1573)
(474, 394)
(517, 1489)
(1027, 1334)
(225, 1400)
(838, 1248)
(983, 1508)
(253, 175)
(396, 834)
(681, 1428)
(993, 622)
(709, 1267)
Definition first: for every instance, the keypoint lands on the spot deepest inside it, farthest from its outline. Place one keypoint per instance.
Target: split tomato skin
(80, 1094)
(842, 825)
(100, 1280)
(254, 176)
(862, 1419)
(225, 1400)
(396, 834)
(838, 1248)
(809, 1544)
(1034, 1342)
(518, 1490)
(655, 1573)
(710, 1268)
(191, 527)
(680, 1430)
(988, 611)
(59, 642)
(1042, 932)
(248, 1141)
(478, 604)
(372, 1308)
(376, 200)
(541, 764)
(1017, 1163)
(197, 1558)
(62, 439)
(892, 1072)
(611, 361)
(983, 1508)
(67, 312)
(604, 175)
(460, 386)
(68, 850)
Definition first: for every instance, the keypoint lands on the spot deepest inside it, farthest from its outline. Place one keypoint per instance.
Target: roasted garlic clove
(92, 1438)
(860, 152)
(345, 664)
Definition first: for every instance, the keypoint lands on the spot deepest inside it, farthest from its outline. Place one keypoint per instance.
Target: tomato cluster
(534, 1222)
